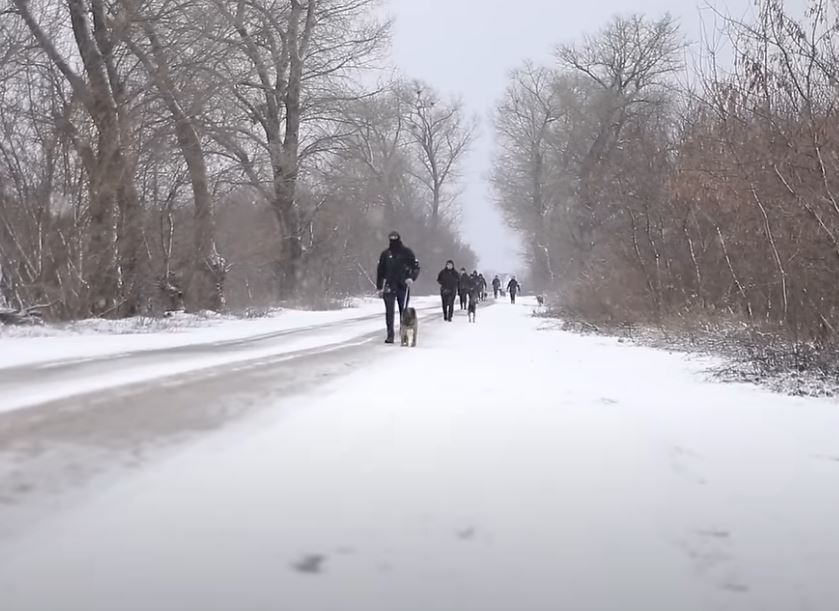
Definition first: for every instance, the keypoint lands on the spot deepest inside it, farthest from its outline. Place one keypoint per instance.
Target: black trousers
(512, 296)
(496, 291)
(393, 297)
(462, 300)
(448, 304)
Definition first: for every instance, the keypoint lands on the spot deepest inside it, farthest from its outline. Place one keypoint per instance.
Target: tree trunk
(286, 167)
(205, 284)
(110, 181)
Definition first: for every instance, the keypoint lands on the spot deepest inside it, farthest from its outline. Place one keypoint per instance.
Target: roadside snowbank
(97, 338)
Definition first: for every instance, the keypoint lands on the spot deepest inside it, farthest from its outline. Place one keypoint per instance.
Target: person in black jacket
(475, 283)
(464, 287)
(496, 286)
(448, 279)
(513, 287)
(398, 268)
(482, 283)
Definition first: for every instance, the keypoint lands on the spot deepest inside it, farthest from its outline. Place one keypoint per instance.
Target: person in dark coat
(398, 268)
(448, 278)
(513, 287)
(496, 286)
(482, 284)
(464, 287)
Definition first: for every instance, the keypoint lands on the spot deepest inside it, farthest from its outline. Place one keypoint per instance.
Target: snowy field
(501, 466)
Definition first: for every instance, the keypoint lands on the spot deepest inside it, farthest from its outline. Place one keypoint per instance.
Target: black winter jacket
(464, 285)
(449, 280)
(396, 265)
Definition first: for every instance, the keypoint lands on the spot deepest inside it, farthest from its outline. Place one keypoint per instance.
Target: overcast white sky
(467, 47)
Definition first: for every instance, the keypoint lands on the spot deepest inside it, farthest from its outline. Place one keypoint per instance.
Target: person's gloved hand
(409, 281)
(380, 293)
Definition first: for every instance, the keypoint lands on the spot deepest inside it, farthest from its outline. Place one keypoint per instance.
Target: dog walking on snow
(472, 309)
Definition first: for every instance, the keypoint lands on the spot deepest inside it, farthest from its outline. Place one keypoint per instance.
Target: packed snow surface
(500, 466)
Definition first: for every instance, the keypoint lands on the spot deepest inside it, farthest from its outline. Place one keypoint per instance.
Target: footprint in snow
(682, 461)
(608, 401)
(311, 564)
(466, 534)
(734, 587)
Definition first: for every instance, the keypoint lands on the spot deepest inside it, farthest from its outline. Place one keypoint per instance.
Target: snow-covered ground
(500, 466)
(86, 357)
(96, 338)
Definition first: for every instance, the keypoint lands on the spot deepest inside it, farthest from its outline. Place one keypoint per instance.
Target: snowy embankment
(97, 337)
(93, 355)
(739, 351)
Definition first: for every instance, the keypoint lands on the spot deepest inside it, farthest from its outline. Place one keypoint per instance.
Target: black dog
(408, 327)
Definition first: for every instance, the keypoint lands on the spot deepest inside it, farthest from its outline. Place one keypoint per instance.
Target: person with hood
(476, 283)
(464, 287)
(397, 270)
(513, 287)
(496, 286)
(448, 278)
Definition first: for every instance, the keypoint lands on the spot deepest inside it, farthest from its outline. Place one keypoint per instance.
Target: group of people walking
(398, 269)
(459, 284)
(513, 288)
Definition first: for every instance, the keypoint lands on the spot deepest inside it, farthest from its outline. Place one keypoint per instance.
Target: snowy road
(498, 467)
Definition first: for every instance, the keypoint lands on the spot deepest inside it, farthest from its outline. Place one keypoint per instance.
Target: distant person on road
(398, 268)
(496, 286)
(476, 283)
(464, 286)
(482, 283)
(513, 287)
(449, 279)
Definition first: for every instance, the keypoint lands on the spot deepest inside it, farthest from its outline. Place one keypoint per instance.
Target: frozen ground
(500, 466)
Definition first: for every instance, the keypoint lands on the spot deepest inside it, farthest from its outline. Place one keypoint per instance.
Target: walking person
(464, 285)
(397, 270)
(475, 283)
(513, 287)
(482, 283)
(496, 286)
(449, 279)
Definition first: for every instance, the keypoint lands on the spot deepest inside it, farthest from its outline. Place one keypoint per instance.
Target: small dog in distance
(408, 327)
(472, 310)
(540, 300)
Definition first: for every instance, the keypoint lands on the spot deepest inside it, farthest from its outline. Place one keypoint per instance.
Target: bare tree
(522, 178)
(290, 53)
(205, 288)
(442, 134)
(148, 136)
(110, 275)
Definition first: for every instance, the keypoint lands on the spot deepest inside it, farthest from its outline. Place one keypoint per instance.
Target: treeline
(156, 154)
(654, 180)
